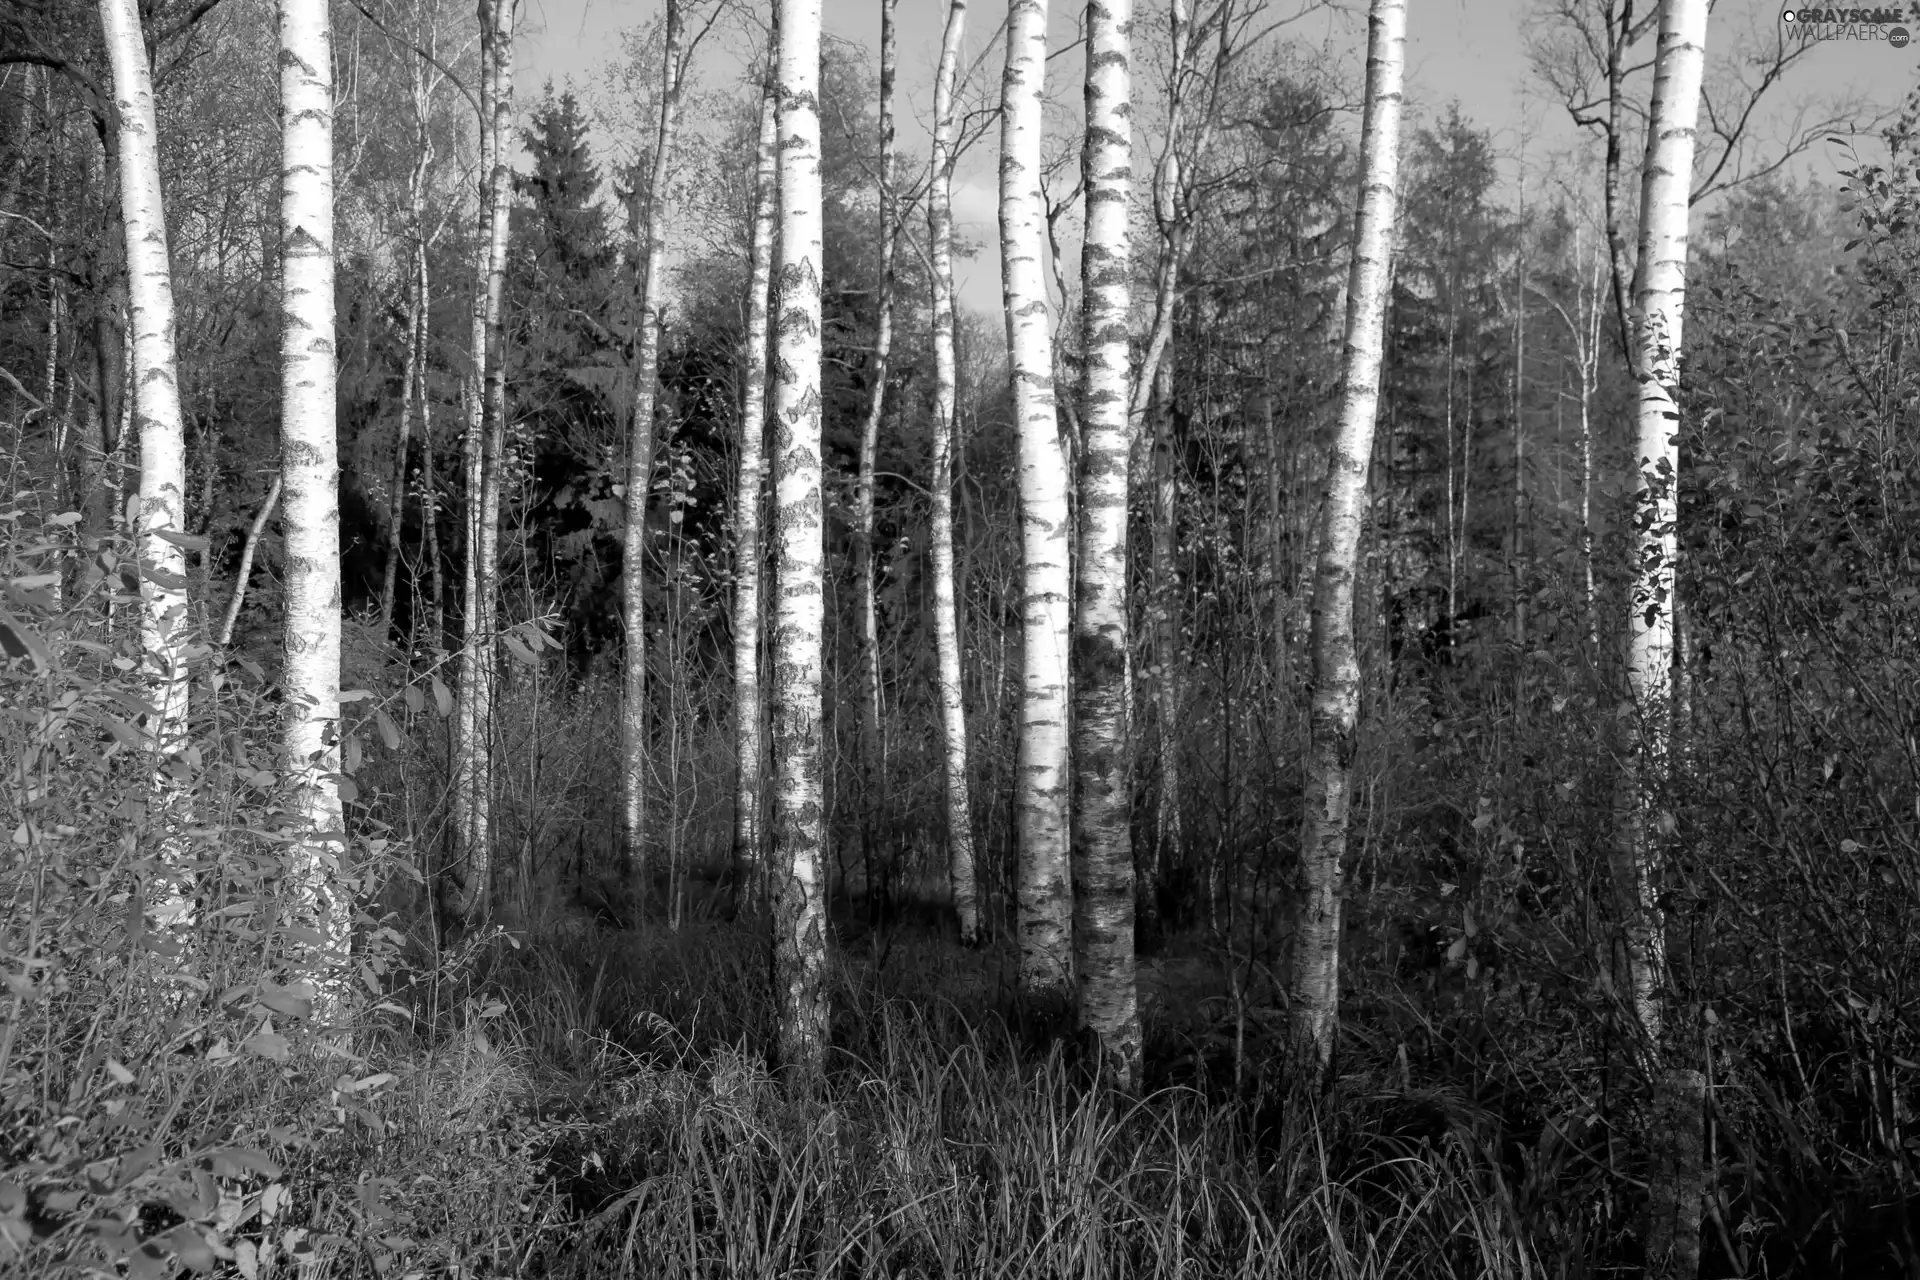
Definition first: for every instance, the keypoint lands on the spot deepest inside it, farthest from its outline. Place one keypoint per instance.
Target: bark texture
(1659, 302)
(1336, 667)
(154, 392)
(486, 402)
(1041, 775)
(1102, 843)
(310, 462)
(646, 375)
(800, 918)
(946, 609)
(749, 700)
(872, 752)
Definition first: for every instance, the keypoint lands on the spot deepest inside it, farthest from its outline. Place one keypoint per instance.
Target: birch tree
(1336, 668)
(1659, 301)
(946, 610)
(653, 253)
(750, 471)
(1102, 792)
(154, 399)
(868, 653)
(310, 464)
(799, 630)
(1041, 778)
(486, 409)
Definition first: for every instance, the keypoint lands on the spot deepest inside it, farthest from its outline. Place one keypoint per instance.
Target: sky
(1470, 51)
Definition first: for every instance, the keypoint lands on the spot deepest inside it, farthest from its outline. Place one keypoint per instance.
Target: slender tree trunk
(1336, 670)
(1045, 894)
(653, 253)
(154, 398)
(486, 404)
(1170, 832)
(429, 496)
(946, 609)
(416, 367)
(872, 767)
(1675, 1180)
(1102, 799)
(310, 461)
(749, 700)
(799, 623)
(225, 635)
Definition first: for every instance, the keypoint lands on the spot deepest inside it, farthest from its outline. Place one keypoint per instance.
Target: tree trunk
(872, 767)
(946, 609)
(416, 367)
(1042, 782)
(1102, 795)
(1675, 1180)
(1336, 670)
(800, 921)
(154, 390)
(749, 701)
(485, 406)
(310, 462)
(633, 702)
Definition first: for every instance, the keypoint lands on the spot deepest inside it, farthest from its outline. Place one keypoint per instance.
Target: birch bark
(633, 702)
(800, 920)
(749, 699)
(946, 608)
(1336, 668)
(153, 391)
(310, 464)
(1041, 779)
(1659, 305)
(872, 765)
(486, 404)
(1102, 844)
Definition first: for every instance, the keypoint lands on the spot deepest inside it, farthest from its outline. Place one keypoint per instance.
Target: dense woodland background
(574, 1078)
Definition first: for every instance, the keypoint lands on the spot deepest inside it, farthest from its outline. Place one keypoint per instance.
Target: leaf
(1849, 846)
(520, 651)
(190, 1247)
(374, 1081)
(1459, 948)
(238, 1162)
(416, 701)
(1473, 968)
(246, 1260)
(291, 1001)
(65, 518)
(267, 1044)
(166, 579)
(18, 640)
(118, 1071)
(442, 700)
(184, 541)
(351, 754)
(354, 695)
(389, 732)
(349, 791)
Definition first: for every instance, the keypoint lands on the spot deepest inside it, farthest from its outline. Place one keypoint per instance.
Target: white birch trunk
(946, 608)
(633, 702)
(1102, 795)
(872, 764)
(485, 409)
(1042, 782)
(1674, 1180)
(153, 392)
(800, 918)
(1336, 668)
(310, 461)
(749, 700)
(416, 367)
